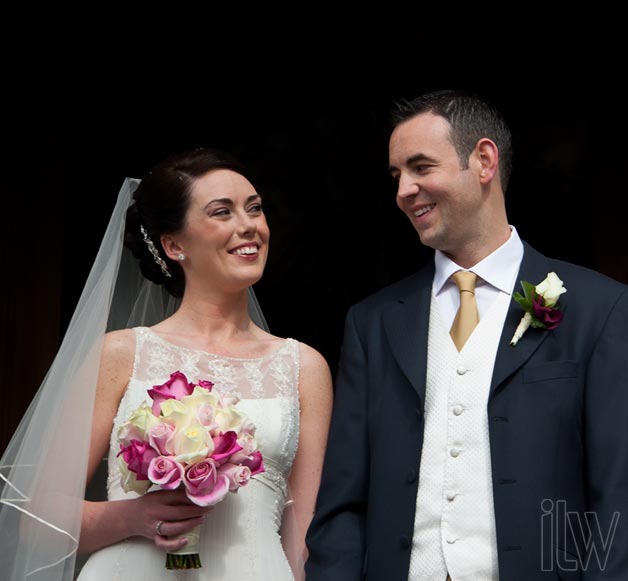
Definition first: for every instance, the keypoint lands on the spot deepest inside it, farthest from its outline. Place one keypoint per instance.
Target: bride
(197, 227)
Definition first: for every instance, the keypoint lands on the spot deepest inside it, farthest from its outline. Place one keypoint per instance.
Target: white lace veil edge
(43, 469)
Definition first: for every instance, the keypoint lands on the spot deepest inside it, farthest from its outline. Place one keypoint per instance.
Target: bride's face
(225, 238)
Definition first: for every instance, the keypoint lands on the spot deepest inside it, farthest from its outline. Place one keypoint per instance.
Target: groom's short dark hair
(471, 118)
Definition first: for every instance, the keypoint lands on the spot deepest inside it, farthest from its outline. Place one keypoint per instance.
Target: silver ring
(158, 528)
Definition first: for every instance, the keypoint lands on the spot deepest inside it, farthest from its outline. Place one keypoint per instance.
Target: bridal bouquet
(191, 437)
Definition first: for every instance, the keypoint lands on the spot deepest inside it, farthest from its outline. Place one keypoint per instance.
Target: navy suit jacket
(558, 426)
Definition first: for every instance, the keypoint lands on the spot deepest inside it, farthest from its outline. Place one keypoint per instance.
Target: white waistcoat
(454, 526)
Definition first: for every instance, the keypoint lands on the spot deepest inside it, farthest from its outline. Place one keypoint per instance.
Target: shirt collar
(498, 269)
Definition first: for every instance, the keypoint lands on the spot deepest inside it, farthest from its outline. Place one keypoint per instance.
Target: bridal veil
(43, 470)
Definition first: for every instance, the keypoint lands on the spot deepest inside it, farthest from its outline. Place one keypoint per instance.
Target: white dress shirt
(497, 272)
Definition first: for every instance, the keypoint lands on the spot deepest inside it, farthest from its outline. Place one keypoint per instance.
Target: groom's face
(442, 200)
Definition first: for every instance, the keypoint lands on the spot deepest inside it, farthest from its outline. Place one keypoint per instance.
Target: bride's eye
(221, 212)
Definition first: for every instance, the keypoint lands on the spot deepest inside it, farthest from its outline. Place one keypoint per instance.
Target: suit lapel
(534, 268)
(406, 325)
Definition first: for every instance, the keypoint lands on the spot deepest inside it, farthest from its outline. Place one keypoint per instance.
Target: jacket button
(404, 542)
(411, 476)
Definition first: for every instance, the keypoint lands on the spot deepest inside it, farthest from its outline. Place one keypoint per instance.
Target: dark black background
(90, 97)
(320, 162)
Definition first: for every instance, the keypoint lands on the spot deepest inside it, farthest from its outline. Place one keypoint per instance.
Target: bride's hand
(171, 512)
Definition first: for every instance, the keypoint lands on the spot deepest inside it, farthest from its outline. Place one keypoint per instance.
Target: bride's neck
(209, 313)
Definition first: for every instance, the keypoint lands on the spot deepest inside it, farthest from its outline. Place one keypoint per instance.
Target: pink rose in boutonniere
(540, 304)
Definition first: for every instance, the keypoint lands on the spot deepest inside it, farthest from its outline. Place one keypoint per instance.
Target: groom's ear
(171, 246)
(485, 158)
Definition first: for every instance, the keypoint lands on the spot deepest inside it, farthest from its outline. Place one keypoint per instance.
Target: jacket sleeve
(606, 448)
(336, 537)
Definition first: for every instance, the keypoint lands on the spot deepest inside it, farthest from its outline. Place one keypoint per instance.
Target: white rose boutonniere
(540, 304)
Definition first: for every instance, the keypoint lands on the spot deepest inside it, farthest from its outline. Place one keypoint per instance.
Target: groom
(452, 454)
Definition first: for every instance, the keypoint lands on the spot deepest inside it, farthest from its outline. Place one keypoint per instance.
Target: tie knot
(465, 280)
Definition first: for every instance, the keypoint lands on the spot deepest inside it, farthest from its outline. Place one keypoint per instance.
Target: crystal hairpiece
(153, 250)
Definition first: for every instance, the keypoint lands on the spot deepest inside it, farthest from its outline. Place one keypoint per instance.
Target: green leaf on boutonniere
(536, 323)
(525, 300)
(529, 290)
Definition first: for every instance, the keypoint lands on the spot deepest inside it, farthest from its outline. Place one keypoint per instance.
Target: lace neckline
(163, 341)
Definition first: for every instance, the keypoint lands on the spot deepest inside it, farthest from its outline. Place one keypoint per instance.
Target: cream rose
(192, 444)
(143, 420)
(200, 396)
(229, 418)
(551, 289)
(177, 413)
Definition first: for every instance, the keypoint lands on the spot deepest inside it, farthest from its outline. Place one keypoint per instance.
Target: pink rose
(247, 427)
(238, 475)
(165, 472)
(205, 414)
(137, 456)
(253, 461)
(225, 446)
(203, 484)
(248, 443)
(160, 438)
(175, 388)
(256, 463)
(227, 399)
(205, 384)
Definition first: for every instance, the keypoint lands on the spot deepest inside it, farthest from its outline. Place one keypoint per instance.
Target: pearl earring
(181, 256)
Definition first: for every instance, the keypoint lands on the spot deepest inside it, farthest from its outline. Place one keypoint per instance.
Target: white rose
(551, 289)
(142, 419)
(200, 397)
(177, 413)
(192, 444)
(229, 418)
(129, 482)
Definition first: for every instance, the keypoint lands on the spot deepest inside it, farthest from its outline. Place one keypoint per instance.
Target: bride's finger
(179, 527)
(170, 545)
(173, 497)
(183, 512)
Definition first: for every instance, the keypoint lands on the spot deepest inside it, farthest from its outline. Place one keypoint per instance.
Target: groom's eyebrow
(413, 159)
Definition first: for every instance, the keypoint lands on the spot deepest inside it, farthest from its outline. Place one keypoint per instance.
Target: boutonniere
(540, 304)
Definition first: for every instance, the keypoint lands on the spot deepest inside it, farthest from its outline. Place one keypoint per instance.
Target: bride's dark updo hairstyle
(160, 205)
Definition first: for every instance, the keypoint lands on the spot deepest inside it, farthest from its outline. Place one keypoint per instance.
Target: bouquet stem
(186, 557)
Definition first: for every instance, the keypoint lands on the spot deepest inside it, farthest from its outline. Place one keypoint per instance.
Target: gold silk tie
(467, 316)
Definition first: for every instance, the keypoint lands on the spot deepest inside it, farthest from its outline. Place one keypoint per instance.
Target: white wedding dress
(240, 537)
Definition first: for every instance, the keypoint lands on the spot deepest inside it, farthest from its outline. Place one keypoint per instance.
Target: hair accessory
(158, 259)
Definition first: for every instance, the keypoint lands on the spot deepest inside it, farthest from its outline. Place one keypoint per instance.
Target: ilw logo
(580, 531)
